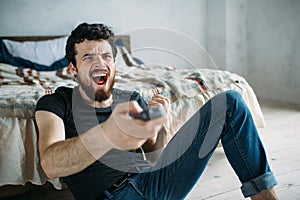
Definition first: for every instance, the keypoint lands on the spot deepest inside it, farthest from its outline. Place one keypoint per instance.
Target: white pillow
(42, 52)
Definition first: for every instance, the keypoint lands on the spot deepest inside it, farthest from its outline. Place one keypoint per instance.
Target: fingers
(122, 130)
(128, 107)
(160, 100)
(134, 127)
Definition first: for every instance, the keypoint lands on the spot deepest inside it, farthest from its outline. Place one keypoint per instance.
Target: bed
(23, 80)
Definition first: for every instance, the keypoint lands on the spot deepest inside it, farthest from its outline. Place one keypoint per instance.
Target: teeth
(99, 75)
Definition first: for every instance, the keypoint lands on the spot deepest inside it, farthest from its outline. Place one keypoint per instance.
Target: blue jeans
(225, 117)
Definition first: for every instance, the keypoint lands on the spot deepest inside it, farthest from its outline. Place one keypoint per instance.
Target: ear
(73, 69)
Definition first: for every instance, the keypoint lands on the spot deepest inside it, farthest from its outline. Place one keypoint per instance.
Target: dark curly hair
(90, 32)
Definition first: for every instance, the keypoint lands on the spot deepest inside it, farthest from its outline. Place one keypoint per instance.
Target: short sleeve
(54, 103)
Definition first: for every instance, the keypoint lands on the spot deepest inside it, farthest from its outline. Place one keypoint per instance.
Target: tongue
(99, 81)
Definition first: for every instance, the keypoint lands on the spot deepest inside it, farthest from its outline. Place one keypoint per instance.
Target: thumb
(128, 107)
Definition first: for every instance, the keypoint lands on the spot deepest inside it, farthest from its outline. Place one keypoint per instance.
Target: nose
(100, 62)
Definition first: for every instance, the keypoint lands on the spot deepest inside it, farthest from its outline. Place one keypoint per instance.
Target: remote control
(148, 114)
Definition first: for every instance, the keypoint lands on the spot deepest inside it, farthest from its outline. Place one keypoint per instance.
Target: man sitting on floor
(87, 134)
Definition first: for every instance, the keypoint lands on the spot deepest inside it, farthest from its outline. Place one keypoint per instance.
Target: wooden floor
(281, 138)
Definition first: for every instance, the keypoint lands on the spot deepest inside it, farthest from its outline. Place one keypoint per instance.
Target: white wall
(259, 39)
(274, 48)
(180, 25)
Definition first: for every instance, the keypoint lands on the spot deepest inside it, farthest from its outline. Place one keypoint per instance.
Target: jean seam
(236, 140)
(241, 152)
(133, 183)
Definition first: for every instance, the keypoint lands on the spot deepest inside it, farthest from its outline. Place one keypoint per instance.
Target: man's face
(95, 68)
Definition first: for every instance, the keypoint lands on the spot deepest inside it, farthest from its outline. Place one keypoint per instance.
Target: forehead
(93, 46)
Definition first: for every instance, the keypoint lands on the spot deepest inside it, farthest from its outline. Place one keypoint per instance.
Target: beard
(98, 95)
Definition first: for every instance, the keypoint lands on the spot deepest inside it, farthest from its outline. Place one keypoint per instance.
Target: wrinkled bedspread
(20, 89)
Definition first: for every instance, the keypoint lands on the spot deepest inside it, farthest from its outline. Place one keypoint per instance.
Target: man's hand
(127, 133)
(160, 100)
(157, 100)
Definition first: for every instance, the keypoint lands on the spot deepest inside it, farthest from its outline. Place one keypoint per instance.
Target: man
(87, 134)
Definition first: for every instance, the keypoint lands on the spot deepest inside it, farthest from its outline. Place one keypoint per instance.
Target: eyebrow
(92, 54)
(107, 53)
(88, 54)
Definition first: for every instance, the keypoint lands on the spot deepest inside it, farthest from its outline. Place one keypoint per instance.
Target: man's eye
(88, 58)
(106, 57)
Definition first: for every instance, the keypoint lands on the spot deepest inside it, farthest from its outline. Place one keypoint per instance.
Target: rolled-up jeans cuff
(258, 184)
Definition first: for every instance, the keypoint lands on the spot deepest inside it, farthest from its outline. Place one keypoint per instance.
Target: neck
(96, 104)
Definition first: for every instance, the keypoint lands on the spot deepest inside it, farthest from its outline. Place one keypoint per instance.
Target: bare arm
(62, 157)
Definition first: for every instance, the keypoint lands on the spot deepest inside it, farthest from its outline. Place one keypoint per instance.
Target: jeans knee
(236, 102)
(234, 96)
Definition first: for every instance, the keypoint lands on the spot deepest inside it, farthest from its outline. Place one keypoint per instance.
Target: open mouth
(100, 79)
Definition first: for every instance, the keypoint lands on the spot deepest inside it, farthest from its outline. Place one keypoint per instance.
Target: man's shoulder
(59, 95)
(59, 102)
(64, 90)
